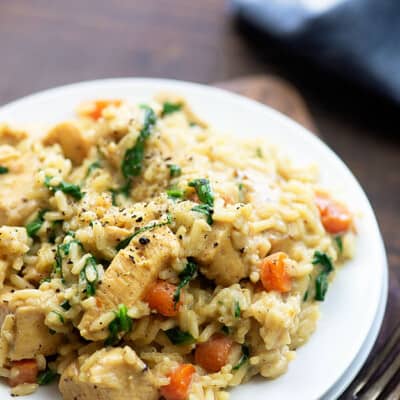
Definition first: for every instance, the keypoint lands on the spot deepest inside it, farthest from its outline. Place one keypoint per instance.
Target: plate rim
(283, 119)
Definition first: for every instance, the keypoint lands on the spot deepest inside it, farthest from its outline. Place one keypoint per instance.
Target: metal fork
(367, 386)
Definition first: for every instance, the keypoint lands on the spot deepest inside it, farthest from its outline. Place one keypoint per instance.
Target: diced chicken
(129, 275)
(108, 374)
(29, 322)
(31, 336)
(219, 260)
(74, 144)
(17, 197)
(11, 136)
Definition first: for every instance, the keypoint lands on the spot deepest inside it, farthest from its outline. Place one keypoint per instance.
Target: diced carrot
(96, 107)
(179, 383)
(99, 303)
(160, 297)
(335, 217)
(227, 199)
(213, 354)
(23, 371)
(273, 273)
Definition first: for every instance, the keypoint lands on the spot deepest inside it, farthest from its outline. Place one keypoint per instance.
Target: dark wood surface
(45, 43)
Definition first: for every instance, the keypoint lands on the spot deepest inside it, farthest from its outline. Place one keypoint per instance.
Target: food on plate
(144, 254)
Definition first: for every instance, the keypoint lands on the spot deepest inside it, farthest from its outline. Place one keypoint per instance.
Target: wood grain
(45, 43)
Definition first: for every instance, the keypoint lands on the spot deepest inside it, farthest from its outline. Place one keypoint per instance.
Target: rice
(128, 199)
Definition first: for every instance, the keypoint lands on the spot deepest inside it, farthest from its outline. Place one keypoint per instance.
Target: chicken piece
(29, 321)
(17, 195)
(220, 261)
(11, 136)
(127, 278)
(74, 144)
(108, 374)
(31, 336)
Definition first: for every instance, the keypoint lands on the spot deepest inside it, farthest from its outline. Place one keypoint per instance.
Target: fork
(367, 386)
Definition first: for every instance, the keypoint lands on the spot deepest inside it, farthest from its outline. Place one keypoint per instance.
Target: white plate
(352, 305)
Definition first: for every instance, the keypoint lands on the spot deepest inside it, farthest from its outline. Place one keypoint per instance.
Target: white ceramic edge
(359, 361)
(167, 84)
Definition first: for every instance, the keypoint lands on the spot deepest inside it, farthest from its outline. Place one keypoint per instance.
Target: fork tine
(382, 354)
(378, 386)
(395, 394)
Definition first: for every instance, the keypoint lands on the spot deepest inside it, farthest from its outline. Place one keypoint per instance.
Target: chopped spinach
(58, 264)
(243, 359)
(123, 243)
(125, 189)
(175, 193)
(3, 170)
(90, 285)
(65, 305)
(188, 273)
(321, 282)
(305, 297)
(63, 250)
(178, 337)
(66, 187)
(66, 247)
(238, 311)
(206, 210)
(60, 316)
(169, 108)
(33, 227)
(174, 170)
(132, 163)
(339, 243)
(94, 165)
(55, 226)
(203, 190)
(121, 323)
(46, 377)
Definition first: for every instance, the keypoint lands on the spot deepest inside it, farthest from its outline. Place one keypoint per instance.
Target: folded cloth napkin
(359, 39)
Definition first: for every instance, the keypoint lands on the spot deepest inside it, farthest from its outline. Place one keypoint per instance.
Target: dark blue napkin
(358, 39)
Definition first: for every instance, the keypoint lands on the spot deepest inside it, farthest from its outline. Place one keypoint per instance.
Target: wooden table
(45, 43)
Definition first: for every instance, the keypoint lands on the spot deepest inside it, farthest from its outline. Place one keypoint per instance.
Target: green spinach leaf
(123, 243)
(132, 162)
(33, 227)
(186, 276)
(178, 337)
(66, 187)
(169, 108)
(321, 282)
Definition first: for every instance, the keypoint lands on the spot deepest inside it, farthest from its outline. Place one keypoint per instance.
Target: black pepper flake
(180, 237)
(241, 250)
(215, 244)
(144, 240)
(140, 219)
